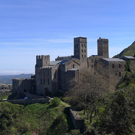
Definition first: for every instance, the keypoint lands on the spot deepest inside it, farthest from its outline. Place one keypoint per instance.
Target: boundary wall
(29, 101)
(77, 121)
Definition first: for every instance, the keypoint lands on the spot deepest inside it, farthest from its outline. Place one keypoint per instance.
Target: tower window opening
(119, 65)
(40, 80)
(112, 65)
(119, 73)
(44, 81)
(48, 81)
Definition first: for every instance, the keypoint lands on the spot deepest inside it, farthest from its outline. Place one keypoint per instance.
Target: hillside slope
(129, 51)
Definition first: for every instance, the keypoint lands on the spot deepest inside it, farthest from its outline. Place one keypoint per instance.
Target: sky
(48, 27)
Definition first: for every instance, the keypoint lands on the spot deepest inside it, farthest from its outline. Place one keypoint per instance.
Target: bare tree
(87, 92)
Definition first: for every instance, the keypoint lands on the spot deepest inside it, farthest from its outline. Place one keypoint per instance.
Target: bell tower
(80, 48)
(103, 47)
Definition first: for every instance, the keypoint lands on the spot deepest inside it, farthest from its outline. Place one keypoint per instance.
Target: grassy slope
(129, 51)
(33, 119)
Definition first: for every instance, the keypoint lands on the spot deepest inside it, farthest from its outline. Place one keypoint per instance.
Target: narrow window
(24, 90)
(73, 66)
(119, 73)
(40, 80)
(91, 66)
(82, 51)
(44, 81)
(82, 45)
(112, 65)
(82, 56)
(48, 81)
(119, 66)
(92, 61)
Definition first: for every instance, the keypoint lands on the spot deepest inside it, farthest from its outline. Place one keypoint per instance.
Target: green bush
(55, 101)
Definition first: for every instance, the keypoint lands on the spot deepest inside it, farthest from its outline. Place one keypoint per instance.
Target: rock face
(129, 51)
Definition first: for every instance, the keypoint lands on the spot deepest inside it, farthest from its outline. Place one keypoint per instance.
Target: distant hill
(129, 51)
(7, 79)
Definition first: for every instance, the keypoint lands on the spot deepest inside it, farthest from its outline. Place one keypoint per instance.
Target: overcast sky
(41, 27)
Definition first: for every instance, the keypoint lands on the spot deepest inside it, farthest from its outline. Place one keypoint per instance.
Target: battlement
(80, 39)
(42, 60)
(42, 56)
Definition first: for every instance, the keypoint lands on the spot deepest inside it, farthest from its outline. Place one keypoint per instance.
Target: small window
(40, 80)
(24, 90)
(82, 51)
(85, 46)
(73, 66)
(92, 61)
(116, 74)
(48, 81)
(85, 51)
(112, 65)
(119, 66)
(119, 73)
(91, 66)
(44, 72)
(44, 81)
(82, 56)
(82, 45)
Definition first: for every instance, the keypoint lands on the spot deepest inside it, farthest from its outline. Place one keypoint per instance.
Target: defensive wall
(29, 101)
(77, 121)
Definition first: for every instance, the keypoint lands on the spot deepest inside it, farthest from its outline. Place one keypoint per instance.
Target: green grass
(43, 119)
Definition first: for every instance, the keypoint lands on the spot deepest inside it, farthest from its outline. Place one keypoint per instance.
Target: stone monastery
(54, 76)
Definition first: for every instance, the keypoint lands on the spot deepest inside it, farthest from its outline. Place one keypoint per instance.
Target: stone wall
(63, 71)
(29, 101)
(20, 86)
(77, 121)
(111, 71)
(103, 49)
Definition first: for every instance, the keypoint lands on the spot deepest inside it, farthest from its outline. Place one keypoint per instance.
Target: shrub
(55, 101)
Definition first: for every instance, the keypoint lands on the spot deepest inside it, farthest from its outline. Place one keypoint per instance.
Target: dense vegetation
(43, 119)
(106, 113)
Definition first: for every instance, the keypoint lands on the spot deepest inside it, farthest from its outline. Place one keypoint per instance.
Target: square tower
(103, 47)
(80, 48)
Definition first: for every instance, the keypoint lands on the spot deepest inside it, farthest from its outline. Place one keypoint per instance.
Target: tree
(87, 93)
(118, 116)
